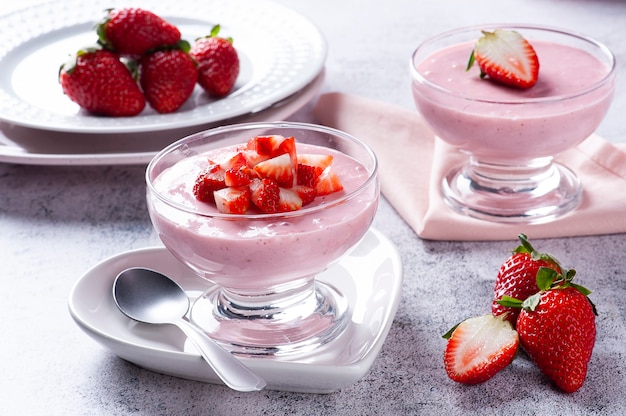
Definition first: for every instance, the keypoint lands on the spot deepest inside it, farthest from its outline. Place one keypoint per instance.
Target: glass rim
(610, 75)
(373, 174)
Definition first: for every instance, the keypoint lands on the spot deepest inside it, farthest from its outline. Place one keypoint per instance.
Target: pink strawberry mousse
(500, 124)
(248, 252)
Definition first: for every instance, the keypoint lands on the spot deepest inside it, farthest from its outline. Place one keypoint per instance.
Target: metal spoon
(148, 296)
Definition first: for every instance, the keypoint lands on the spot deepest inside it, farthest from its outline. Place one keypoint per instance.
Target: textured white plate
(280, 53)
(29, 146)
(370, 276)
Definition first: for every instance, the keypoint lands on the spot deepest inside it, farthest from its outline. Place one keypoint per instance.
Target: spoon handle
(231, 371)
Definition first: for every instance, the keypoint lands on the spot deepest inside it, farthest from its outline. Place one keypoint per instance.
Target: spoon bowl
(148, 296)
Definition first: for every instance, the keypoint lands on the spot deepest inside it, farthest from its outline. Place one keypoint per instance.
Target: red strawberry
(288, 200)
(517, 277)
(278, 168)
(266, 145)
(557, 330)
(239, 176)
(232, 200)
(218, 63)
(314, 159)
(133, 32)
(168, 78)
(478, 348)
(210, 180)
(328, 182)
(265, 194)
(506, 57)
(307, 174)
(306, 193)
(100, 83)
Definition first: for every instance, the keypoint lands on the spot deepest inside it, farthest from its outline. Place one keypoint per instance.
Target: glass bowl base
(285, 324)
(512, 194)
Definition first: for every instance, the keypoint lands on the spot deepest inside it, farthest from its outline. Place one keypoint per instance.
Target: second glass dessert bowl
(264, 298)
(512, 135)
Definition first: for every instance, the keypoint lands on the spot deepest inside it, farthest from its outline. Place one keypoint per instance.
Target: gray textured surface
(56, 222)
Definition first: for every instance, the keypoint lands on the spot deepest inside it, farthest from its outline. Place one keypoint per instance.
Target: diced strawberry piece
(480, 347)
(288, 200)
(313, 159)
(209, 180)
(328, 182)
(307, 194)
(232, 200)
(253, 158)
(278, 168)
(265, 194)
(235, 161)
(265, 145)
(239, 176)
(307, 174)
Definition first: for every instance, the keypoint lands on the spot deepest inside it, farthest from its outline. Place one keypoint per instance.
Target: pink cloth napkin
(413, 161)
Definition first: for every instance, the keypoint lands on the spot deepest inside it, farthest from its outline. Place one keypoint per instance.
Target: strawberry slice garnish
(314, 159)
(479, 347)
(506, 57)
(307, 174)
(278, 168)
(306, 193)
(232, 200)
(328, 182)
(265, 194)
(288, 200)
(209, 180)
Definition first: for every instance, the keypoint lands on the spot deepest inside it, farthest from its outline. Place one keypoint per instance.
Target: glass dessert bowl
(262, 296)
(512, 135)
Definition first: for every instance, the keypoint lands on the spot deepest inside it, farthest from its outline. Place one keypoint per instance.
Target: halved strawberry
(232, 200)
(479, 347)
(506, 57)
(314, 159)
(328, 182)
(264, 194)
(209, 180)
(288, 200)
(278, 168)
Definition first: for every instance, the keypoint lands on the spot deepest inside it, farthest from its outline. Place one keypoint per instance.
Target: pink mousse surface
(254, 253)
(494, 121)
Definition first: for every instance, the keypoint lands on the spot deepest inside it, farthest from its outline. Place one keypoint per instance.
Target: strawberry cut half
(505, 56)
(479, 347)
(328, 182)
(278, 168)
(232, 200)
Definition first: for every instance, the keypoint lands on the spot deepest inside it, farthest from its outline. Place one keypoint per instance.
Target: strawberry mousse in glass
(262, 296)
(511, 135)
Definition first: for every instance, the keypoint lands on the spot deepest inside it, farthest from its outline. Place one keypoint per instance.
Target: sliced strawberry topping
(506, 57)
(235, 161)
(232, 200)
(288, 200)
(278, 168)
(319, 160)
(239, 176)
(480, 347)
(328, 182)
(307, 174)
(210, 180)
(306, 193)
(265, 194)
(265, 145)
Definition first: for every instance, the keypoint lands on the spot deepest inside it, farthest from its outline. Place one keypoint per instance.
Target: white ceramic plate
(280, 53)
(25, 145)
(370, 276)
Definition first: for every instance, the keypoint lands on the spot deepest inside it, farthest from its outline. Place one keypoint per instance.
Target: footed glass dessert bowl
(511, 135)
(262, 297)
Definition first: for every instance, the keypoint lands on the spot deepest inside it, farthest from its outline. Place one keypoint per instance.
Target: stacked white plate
(282, 58)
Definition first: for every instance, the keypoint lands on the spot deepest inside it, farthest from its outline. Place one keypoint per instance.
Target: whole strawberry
(218, 63)
(100, 83)
(557, 330)
(168, 78)
(517, 277)
(132, 31)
